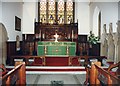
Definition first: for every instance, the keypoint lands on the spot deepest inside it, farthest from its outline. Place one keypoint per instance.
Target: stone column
(111, 46)
(3, 46)
(117, 43)
(0, 43)
(104, 46)
(116, 48)
(118, 30)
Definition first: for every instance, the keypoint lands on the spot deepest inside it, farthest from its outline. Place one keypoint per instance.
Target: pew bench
(3, 70)
(115, 67)
(16, 76)
(100, 76)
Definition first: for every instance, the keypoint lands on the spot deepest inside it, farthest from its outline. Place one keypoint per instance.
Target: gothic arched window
(56, 11)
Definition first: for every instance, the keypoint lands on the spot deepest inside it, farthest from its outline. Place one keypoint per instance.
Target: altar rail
(102, 77)
(88, 59)
(42, 59)
(15, 76)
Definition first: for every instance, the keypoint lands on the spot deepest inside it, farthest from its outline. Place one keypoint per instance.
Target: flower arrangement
(92, 39)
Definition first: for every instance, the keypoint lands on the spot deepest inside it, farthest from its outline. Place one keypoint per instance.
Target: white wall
(29, 15)
(109, 14)
(82, 14)
(119, 10)
(30, 12)
(0, 11)
(9, 11)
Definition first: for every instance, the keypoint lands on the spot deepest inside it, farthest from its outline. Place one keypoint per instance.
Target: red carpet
(56, 61)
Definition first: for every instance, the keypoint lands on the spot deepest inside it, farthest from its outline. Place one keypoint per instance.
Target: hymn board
(54, 39)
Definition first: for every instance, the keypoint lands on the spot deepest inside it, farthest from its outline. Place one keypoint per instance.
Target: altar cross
(56, 37)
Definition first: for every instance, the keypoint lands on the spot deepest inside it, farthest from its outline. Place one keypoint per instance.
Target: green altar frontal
(56, 49)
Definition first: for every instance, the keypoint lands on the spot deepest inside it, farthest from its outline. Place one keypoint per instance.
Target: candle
(72, 34)
(43, 35)
(40, 34)
(25, 36)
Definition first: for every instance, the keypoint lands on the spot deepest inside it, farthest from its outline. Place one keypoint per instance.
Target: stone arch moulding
(3, 45)
(96, 14)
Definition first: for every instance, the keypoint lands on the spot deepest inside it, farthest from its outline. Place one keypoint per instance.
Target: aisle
(47, 79)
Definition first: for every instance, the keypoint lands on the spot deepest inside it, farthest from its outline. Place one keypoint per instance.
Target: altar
(56, 48)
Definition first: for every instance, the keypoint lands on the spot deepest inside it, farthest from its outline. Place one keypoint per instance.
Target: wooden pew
(15, 76)
(99, 76)
(117, 73)
(3, 70)
(90, 70)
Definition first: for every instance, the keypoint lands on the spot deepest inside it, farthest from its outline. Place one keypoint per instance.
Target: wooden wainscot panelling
(11, 50)
(94, 50)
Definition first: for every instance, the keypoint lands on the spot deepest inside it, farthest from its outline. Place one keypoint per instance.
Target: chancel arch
(3, 46)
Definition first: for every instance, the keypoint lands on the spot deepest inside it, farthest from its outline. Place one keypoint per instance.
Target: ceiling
(74, 0)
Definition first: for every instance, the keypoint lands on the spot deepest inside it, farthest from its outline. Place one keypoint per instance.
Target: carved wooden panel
(66, 32)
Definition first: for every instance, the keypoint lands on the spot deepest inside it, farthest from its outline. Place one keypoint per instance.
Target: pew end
(100, 76)
(16, 76)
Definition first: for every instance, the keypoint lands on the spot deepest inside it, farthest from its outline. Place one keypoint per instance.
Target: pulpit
(56, 48)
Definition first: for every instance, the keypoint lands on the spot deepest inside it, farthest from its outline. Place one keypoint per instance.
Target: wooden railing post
(22, 74)
(93, 73)
(7, 81)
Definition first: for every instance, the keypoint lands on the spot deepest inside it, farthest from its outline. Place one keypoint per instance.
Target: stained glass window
(43, 4)
(69, 12)
(56, 11)
(51, 11)
(61, 11)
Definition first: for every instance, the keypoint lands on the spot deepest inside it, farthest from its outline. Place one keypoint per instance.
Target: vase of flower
(92, 39)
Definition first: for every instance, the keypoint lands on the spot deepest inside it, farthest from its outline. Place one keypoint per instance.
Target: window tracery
(56, 11)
